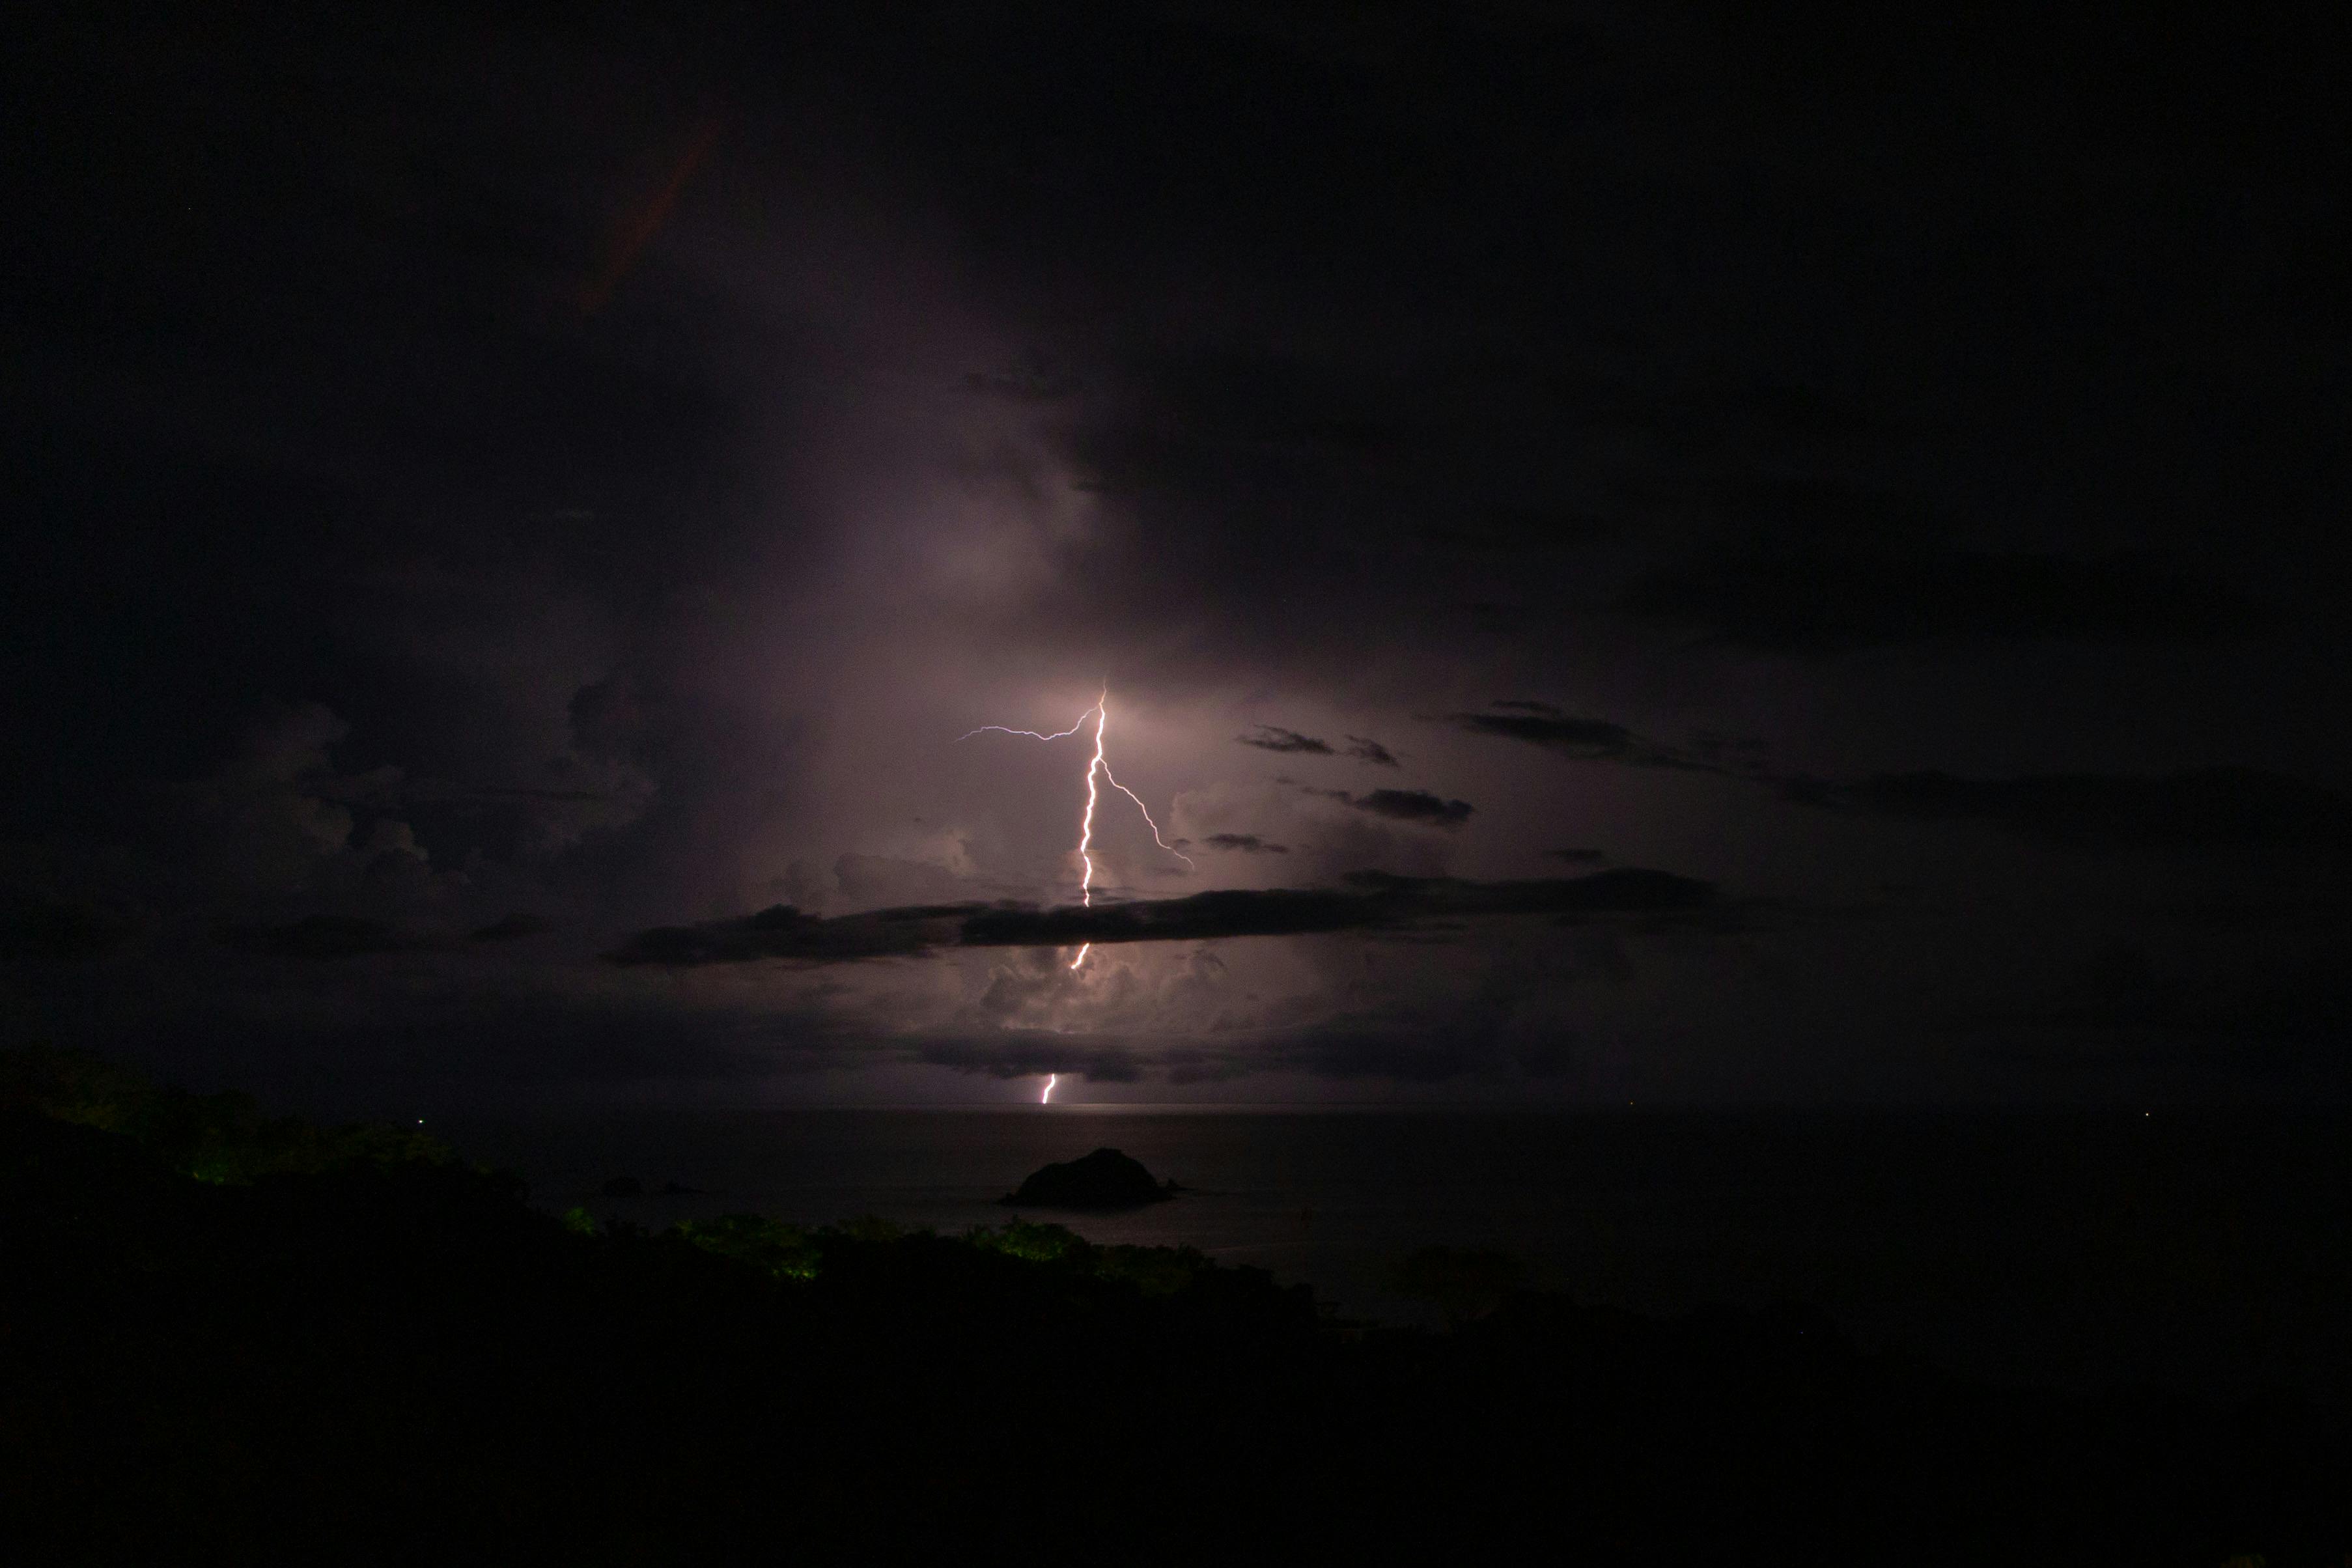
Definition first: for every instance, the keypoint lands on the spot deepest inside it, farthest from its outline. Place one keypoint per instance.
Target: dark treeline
(226, 1335)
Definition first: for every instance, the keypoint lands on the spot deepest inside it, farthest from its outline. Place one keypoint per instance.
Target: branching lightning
(1001, 729)
(1101, 714)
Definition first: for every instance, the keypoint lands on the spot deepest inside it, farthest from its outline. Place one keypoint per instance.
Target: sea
(2204, 1252)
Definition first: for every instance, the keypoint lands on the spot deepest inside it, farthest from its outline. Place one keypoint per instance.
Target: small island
(1105, 1179)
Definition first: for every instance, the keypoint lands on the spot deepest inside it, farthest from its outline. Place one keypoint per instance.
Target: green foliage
(792, 1252)
(783, 1251)
(579, 1222)
(1028, 1240)
(1152, 1270)
(217, 1138)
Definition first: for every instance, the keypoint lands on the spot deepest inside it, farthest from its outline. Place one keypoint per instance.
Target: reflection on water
(2049, 1246)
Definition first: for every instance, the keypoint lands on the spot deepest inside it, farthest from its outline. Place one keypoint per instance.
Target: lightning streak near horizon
(1047, 1098)
(1100, 714)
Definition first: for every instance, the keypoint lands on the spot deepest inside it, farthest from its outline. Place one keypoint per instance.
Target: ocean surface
(2211, 1252)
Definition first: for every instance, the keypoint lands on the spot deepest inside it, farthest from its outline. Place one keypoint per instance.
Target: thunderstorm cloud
(1273, 738)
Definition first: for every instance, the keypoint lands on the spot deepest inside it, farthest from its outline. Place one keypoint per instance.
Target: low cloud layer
(1540, 724)
(1582, 739)
(1245, 844)
(1370, 901)
(1417, 805)
(1274, 738)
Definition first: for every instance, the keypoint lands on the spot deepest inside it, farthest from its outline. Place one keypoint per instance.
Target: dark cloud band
(1370, 900)
(1274, 738)
(1823, 603)
(2208, 808)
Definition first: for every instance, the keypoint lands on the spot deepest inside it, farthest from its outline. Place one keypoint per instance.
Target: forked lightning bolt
(1101, 714)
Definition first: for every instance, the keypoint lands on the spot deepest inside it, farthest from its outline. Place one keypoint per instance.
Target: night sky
(1644, 553)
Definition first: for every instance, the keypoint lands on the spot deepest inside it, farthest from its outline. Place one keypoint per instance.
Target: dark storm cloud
(1413, 806)
(1245, 843)
(1824, 602)
(1702, 420)
(1577, 857)
(1591, 738)
(61, 931)
(1035, 378)
(1224, 913)
(510, 927)
(1515, 531)
(1370, 900)
(1213, 446)
(2212, 809)
(782, 932)
(1211, 410)
(1211, 440)
(323, 937)
(1671, 343)
(329, 937)
(1274, 738)
(388, 791)
(1625, 889)
(1586, 739)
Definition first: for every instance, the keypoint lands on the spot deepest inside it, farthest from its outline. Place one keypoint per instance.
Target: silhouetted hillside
(396, 1356)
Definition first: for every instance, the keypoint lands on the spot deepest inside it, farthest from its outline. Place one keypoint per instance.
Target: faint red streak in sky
(637, 228)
